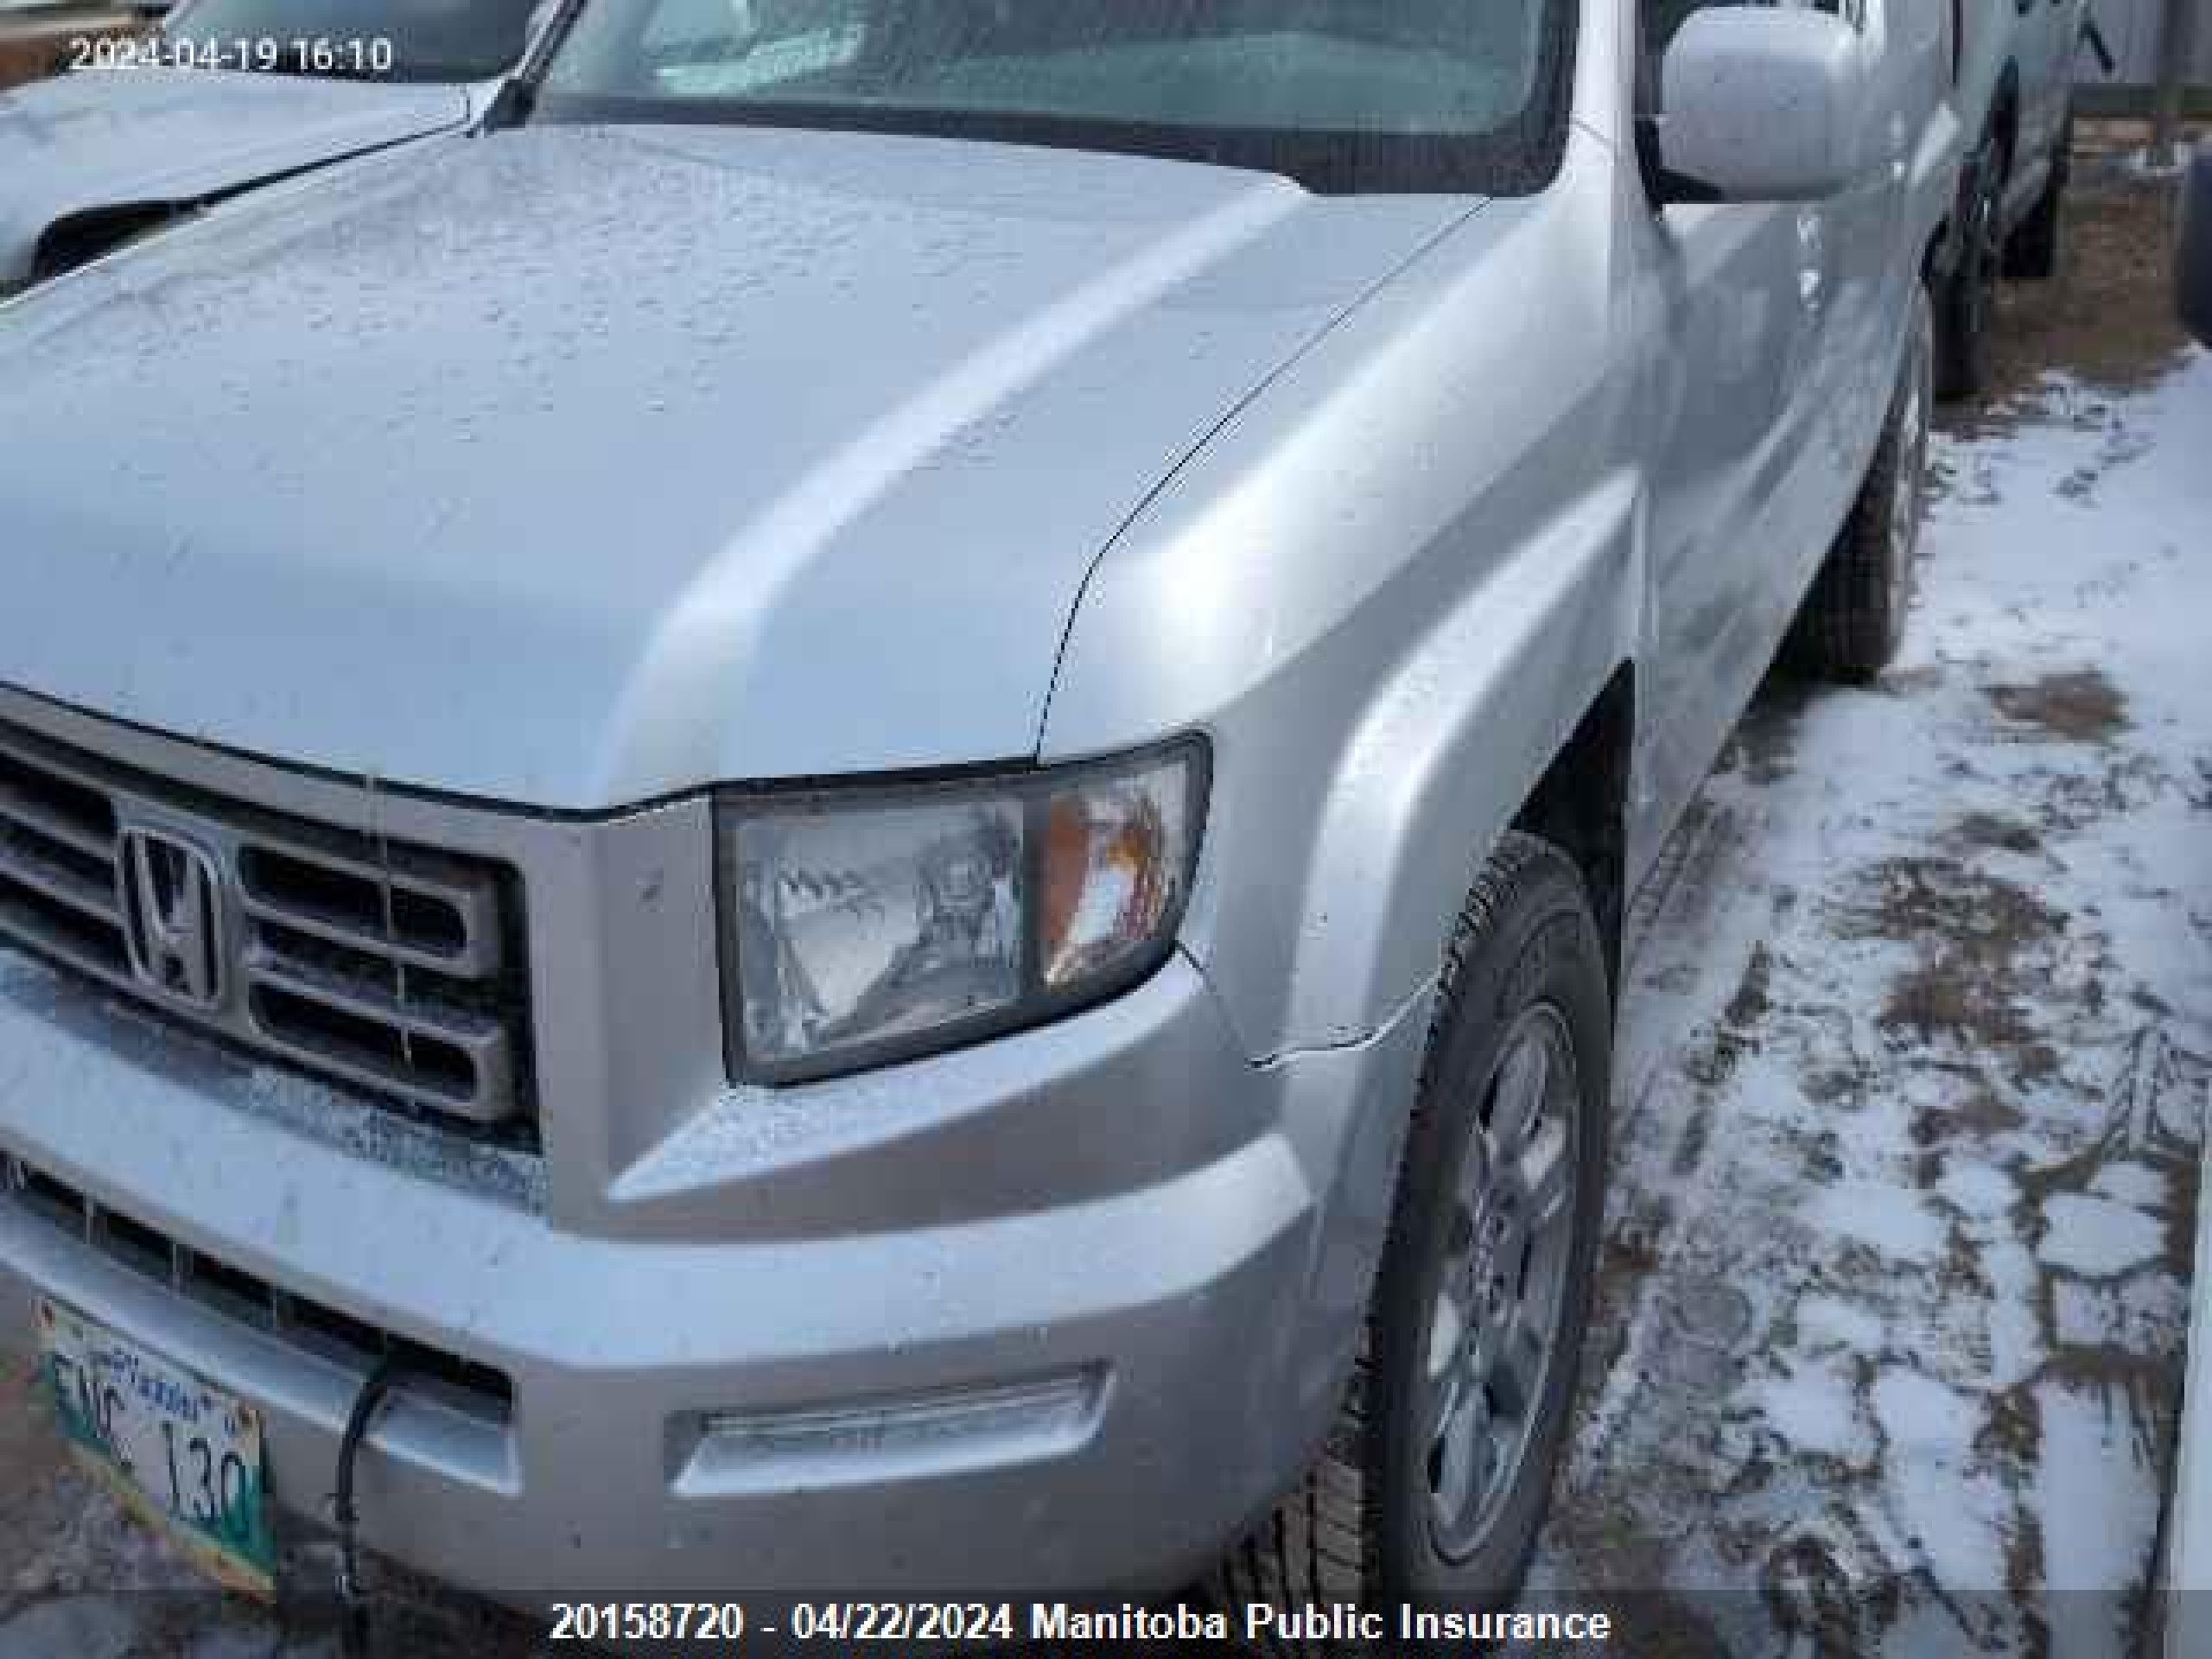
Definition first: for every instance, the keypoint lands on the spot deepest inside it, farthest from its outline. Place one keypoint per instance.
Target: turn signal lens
(1116, 857)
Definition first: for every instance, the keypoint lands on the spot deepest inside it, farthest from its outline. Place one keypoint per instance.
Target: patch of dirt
(1810, 1593)
(1627, 1258)
(1736, 1034)
(1983, 1113)
(1996, 833)
(31, 1454)
(35, 47)
(1764, 746)
(2011, 1430)
(1936, 1000)
(2069, 801)
(1941, 901)
(1969, 986)
(2107, 319)
(2081, 706)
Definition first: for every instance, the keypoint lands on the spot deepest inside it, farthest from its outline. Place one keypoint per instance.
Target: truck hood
(160, 138)
(581, 466)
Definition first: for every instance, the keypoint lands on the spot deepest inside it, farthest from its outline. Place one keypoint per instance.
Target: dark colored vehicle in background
(2196, 263)
(226, 95)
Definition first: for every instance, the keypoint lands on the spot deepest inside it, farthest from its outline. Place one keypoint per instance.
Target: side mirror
(2195, 264)
(1762, 104)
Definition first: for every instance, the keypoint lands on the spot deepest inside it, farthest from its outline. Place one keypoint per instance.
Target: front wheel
(1438, 1473)
(1853, 620)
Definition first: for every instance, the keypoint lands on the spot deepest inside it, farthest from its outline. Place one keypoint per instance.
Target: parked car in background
(902, 755)
(2016, 101)
(226, 95)
(37, 36)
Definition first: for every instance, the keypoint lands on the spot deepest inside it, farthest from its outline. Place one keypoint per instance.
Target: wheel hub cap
(1495, 1329)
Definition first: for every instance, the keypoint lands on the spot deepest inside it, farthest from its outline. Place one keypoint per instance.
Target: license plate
(182, 1454)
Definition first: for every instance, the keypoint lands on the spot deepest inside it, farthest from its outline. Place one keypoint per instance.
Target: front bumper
(1138, 1368)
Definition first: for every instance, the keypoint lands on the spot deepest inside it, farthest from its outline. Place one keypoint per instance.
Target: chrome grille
(392, 968)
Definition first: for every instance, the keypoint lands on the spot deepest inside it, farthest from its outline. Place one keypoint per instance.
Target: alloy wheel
(1494, 1334)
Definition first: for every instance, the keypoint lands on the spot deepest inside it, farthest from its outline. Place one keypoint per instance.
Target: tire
(1852, 620)
(2032, 253)
(1524, 1029)
(1966, 306)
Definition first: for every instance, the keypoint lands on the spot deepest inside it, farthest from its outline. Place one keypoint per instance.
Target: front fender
(1389, 592)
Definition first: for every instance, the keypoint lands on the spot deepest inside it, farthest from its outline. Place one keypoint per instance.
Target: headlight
(874, 925)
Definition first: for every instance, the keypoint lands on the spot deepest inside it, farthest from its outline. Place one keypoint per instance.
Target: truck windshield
(1446, 95)
(381, 40)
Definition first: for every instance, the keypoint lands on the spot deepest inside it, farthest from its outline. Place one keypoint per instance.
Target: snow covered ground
(1916, 1067)
(1916, 1054)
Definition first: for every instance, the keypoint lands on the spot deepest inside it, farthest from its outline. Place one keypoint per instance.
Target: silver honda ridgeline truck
(863, 804)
